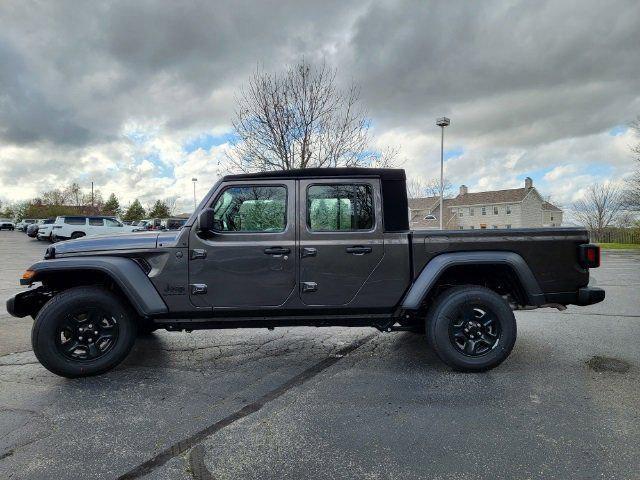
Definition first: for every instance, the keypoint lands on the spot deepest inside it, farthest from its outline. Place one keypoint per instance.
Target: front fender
(125, 272)
(438, 265)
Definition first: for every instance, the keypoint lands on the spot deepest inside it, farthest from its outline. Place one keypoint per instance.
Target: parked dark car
(34, 228)
(315, 247)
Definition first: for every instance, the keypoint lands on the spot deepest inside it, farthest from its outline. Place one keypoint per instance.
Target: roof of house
(493, 196)
(514, 195)
(550, 206)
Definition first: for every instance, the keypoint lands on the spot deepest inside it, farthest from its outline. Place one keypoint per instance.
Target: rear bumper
(584, 296)
(590, 295)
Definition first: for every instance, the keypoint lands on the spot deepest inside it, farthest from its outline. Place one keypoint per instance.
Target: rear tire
(471, 328)
(65, 345)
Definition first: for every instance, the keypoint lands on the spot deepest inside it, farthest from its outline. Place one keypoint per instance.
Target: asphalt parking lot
(333, 402)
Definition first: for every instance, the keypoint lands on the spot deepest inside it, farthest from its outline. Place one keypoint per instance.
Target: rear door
(341, 243)
(96, 226)
(249, 260)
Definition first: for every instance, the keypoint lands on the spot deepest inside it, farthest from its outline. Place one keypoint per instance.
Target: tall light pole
(194, 180)
(442, 122)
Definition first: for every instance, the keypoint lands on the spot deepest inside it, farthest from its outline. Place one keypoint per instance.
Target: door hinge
(308, 252)
(308, 287)
(198, 253)
(198, 288)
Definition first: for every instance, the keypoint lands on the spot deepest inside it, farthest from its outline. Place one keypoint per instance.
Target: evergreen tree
(112, 206)
(159, 210)
(135, 211)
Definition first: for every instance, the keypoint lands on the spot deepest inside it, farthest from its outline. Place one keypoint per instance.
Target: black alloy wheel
(87, 334)
(471, 328)
(84, 331)
(475, 331)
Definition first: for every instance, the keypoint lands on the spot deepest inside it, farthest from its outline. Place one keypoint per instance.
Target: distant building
(513, 208)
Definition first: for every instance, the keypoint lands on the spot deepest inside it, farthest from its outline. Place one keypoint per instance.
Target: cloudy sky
(139, 96)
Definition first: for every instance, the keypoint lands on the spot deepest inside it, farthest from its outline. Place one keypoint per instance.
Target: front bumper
(27, 303)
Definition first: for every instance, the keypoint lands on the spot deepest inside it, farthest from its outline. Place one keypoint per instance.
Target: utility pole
(442, 122)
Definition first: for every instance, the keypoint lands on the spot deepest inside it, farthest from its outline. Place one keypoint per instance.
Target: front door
(340, 238)
(249, 260)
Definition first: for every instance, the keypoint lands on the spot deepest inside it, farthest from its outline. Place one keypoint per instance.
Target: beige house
(512, 208)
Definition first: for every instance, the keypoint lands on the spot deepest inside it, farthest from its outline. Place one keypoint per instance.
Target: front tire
(471, 328)
(83, 331)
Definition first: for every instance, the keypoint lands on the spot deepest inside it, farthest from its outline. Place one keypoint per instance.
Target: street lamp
(195, 206)
(442, 122)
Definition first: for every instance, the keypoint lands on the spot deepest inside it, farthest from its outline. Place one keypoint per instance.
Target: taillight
(589, 255)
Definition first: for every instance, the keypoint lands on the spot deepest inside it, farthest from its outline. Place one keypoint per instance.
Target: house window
(552, 217)
(460, 227)
(508, 209)
(471, 212)
(484, 210)
(495, 227)
(472, 227)
(507, 226)
(460, 213)
(495, 210)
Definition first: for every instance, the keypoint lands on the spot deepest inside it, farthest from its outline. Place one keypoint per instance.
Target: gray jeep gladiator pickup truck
(320, 247)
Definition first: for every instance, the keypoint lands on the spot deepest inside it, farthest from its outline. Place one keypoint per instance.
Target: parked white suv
(78, 226)
(6, 224)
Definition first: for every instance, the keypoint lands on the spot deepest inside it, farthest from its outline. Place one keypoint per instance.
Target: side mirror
(206, 220)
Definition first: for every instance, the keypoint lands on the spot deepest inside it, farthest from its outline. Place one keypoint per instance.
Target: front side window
(110, 222)
(340, 207)
(96, 222)
(251, 209)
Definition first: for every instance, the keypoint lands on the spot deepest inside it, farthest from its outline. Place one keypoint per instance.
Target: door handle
(308, 287)
(359, 250)
(277, 251)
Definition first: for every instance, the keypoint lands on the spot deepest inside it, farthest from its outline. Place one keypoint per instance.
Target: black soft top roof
(383, 173)
(395, 210)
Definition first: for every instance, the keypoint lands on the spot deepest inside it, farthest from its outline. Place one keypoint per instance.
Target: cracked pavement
(331, 402)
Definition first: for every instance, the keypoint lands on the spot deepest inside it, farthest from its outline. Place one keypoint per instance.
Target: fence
(616, 235)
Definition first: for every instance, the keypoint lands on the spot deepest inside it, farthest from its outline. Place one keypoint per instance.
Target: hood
(105, 243)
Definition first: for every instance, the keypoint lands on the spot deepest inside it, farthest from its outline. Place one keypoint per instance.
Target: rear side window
(75, 220)
(251, 209)
(339, 207)
(96, 222)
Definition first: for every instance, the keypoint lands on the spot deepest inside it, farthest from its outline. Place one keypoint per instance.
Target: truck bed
(551, 253)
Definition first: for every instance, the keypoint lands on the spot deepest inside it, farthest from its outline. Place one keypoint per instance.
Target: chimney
(528, 183)
(463, 190)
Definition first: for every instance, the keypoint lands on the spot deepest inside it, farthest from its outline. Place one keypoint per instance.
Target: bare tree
(632, 188)
(600, 207)
(415, 188)
(432, 188)
(301, 119)
(418, 187)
